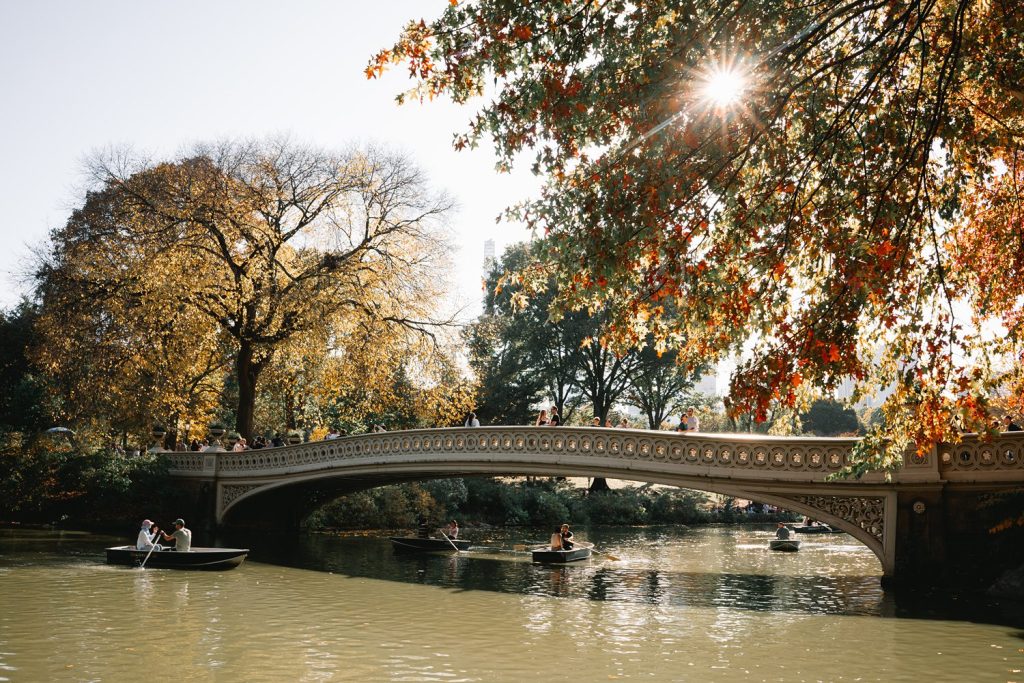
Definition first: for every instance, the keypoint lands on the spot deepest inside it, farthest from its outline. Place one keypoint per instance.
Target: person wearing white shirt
(692, 421)
(145, 540)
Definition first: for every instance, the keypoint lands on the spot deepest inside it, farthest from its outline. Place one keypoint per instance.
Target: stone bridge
(932, 515)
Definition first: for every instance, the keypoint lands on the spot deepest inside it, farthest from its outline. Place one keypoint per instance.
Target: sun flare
(724, 87)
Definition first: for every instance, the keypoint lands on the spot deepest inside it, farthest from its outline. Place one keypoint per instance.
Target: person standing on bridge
(471, 421)
(542, 419)
(692, 421)
(553, 419)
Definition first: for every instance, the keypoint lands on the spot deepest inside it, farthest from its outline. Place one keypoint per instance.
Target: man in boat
(566, 537)
(423, 530)
(147, 536)
(182, 537)
(782, 533)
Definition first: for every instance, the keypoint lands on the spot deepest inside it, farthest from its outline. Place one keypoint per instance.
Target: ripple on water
(701, 607)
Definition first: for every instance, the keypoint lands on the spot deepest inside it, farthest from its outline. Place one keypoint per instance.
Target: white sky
(79, 76)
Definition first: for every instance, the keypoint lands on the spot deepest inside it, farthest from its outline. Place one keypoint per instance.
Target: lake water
(701, 604)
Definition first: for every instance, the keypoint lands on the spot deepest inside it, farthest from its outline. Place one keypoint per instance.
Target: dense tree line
(541, 505)
(521, 355)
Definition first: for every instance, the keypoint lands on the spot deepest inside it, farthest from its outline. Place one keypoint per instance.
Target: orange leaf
(523, 32)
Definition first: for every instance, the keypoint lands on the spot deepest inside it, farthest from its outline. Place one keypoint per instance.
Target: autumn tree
(832, 187)
(230, 258)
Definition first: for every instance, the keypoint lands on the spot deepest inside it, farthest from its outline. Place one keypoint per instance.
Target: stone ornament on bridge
(866, 512)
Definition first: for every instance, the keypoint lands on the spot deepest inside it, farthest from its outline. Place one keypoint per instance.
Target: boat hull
(417, 544)
(820, 529)
(197, 558)
(784, 545)
(549, 556)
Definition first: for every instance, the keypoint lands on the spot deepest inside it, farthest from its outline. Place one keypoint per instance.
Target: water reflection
(707, 568)
(708, 604)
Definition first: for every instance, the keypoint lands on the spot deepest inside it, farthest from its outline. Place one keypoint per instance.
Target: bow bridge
(933, 514)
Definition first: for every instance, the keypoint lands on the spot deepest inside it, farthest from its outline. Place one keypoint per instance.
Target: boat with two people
(814, 527)
(148, 553)
(548, 555)
(424, 542)
(193, 558)
(562, 548)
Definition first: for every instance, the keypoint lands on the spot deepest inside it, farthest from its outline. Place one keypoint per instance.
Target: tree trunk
(289, 410)
(248, 372)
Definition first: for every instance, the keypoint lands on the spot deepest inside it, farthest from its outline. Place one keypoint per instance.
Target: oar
(152, 547)
(450, 541)
(611, 557)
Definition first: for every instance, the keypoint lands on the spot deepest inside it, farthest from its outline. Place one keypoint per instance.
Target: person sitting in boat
(566, 537)
(145, 540)
(423, 531)
(453, 529)
(782, 533)
(556, 539)
(182, 537)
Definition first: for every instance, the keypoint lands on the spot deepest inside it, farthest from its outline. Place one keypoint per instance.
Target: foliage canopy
(246, 261)
(854, 213)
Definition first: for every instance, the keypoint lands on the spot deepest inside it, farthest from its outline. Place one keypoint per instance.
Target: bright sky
(80, 76)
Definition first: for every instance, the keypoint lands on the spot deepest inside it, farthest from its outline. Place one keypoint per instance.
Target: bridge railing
(743, 454)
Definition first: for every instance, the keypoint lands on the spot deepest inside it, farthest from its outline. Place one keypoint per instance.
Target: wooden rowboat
(580, 551)
(786, 545)
(419, 544)
(196, 558)
(816, 529)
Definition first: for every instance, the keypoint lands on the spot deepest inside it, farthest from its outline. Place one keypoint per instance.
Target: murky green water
(707, 604)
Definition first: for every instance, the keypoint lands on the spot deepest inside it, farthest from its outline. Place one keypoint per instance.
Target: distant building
(490, 260)
(707, 384)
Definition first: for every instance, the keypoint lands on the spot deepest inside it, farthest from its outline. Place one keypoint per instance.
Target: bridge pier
(920, 548)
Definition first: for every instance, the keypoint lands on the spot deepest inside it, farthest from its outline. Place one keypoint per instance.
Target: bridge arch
(340, 484)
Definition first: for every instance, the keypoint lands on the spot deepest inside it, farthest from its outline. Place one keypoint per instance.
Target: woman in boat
(145, 540)
(566, 537)
(453, 529)
(556, 539)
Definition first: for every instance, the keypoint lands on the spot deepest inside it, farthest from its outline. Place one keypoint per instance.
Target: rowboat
(580, 551)
(816, 529)
(196, 558)
(785, 545)
(428, 544)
